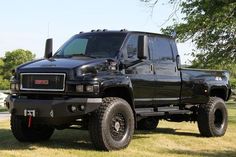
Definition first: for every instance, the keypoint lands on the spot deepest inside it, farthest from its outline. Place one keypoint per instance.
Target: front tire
(213, 118)
(112, 126)
(35, 133)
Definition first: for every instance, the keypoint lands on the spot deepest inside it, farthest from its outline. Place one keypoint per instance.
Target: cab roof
(123, 31)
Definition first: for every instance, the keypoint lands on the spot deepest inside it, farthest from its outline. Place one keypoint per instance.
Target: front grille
(43, 81)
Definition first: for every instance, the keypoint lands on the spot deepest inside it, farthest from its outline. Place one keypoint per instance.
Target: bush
(4, 84)
(233, 83)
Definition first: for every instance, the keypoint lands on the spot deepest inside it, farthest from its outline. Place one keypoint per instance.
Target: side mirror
(178, 62)
(48, 48)
(142, 47)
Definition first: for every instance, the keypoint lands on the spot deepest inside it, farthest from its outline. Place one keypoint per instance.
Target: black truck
(111, 82)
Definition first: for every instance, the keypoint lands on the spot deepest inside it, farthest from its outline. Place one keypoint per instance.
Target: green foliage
(4, 83)
(211, 25)
(13, 59)
(3, 109)
(233, 83)
(201, 62)
(1, 65)
(9, 62)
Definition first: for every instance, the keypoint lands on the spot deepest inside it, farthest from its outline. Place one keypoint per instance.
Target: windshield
(97, 45)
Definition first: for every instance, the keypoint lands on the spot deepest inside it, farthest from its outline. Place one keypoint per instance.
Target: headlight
(80, 88)
(14, 86)
(84, 70)
(79, 72)
(88, 88)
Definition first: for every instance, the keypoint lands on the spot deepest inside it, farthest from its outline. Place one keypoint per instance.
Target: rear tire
(149, 123)
(35, 133)
(213, 118)
(112, 126)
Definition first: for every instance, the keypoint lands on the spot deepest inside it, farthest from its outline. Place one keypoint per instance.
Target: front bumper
(53, 108)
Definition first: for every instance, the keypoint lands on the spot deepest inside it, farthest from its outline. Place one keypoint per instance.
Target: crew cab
(111, 82)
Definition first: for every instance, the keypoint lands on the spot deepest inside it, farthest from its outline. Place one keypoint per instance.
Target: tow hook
(29, 121)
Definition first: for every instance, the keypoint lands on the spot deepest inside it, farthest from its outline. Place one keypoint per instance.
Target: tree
(1, 65)
(13, 59)
(211, 25)
(4, 83)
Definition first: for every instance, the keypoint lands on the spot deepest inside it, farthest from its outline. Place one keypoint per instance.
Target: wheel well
(221, 93)
(121, 92)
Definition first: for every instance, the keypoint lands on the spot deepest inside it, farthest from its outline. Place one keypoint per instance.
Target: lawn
(3, 109)
(169, 139)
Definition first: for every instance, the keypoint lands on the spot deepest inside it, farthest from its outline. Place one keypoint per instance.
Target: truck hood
(64, 63)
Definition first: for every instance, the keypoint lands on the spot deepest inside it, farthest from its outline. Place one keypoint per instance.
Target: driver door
(140, 72)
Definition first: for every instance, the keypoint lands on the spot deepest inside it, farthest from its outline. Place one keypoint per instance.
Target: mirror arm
(122, 66)
(178, 64)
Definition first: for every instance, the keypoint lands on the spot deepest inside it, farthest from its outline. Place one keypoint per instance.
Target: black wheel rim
(118, 127)
(219, 120)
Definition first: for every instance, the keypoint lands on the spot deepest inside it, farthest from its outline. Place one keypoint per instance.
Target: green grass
(169, 139)
(3, 109)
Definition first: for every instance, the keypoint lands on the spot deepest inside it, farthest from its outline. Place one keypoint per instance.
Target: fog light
(79, 88)
(73, 108)
(89, 88)
(82, 107)
(96, 88)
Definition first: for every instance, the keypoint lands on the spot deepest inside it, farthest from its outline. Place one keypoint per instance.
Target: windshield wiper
(60, 56)
(80, 54)
(73, 55)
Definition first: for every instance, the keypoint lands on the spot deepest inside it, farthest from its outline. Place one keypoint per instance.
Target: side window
(160, 49)
(132, 47)
(153, 47)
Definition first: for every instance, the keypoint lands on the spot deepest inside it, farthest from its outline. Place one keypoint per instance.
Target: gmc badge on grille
(41, 82)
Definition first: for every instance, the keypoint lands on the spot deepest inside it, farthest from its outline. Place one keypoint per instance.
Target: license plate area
(30, 112)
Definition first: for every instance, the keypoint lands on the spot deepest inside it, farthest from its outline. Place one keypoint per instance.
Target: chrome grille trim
(34, 89)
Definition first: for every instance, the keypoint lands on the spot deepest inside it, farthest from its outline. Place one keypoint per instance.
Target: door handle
(151, 67)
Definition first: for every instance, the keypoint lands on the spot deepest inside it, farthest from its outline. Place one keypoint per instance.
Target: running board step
(149, 112)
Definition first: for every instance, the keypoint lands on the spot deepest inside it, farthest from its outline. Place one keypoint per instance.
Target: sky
(26, 24)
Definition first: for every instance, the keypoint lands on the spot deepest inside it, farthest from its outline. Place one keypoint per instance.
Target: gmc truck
(112, 82)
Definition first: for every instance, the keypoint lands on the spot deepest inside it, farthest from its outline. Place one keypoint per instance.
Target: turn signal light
(14, 87)
(79, 88)
(89, 88)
